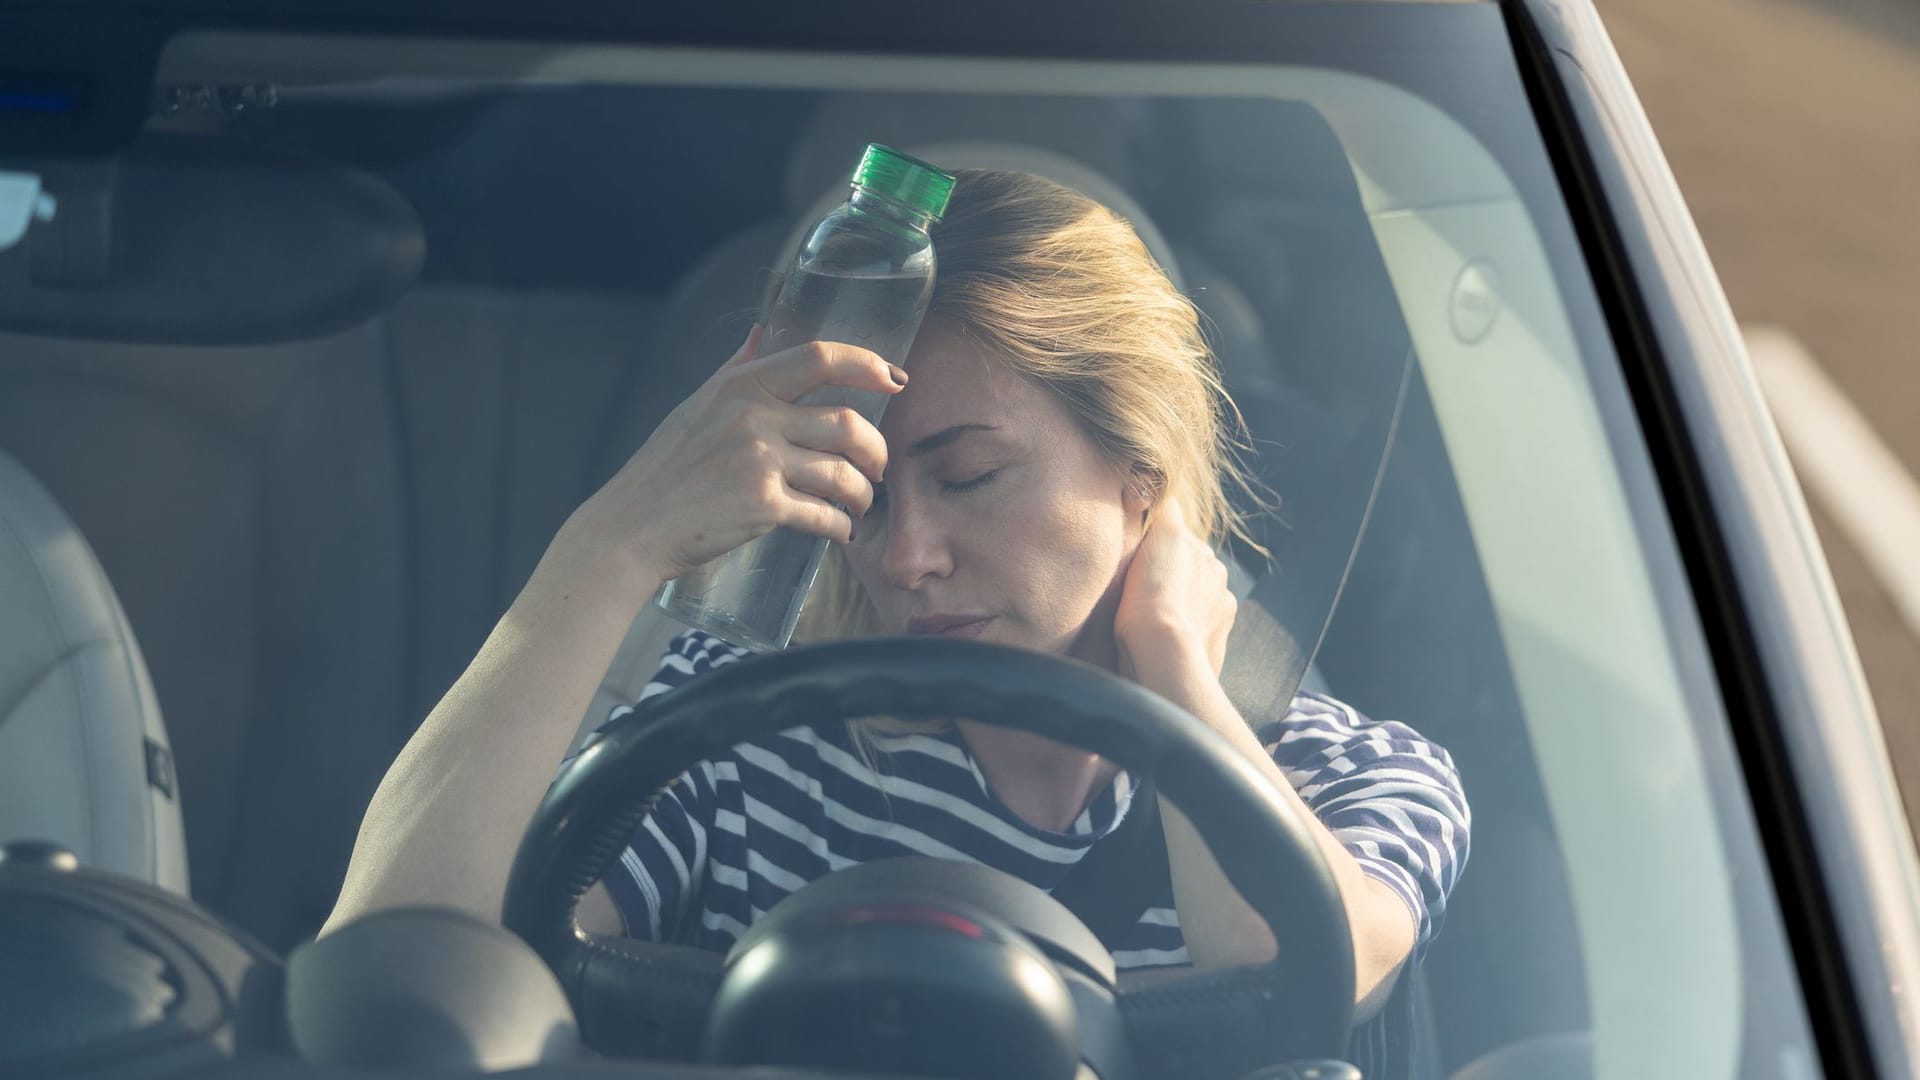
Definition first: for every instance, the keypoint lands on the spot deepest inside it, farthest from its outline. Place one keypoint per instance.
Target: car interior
(295, 390)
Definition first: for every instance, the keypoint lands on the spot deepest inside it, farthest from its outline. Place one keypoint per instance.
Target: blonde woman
(1053, 476)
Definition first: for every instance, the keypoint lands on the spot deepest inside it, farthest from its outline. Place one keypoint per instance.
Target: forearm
(1220, 927)
(444, 824)
(721, 470)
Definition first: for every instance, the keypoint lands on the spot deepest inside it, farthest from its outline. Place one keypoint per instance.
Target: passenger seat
(214, 415)
(84, 757)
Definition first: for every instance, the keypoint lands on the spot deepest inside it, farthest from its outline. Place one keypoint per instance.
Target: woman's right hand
(738, 459)
(735, 460)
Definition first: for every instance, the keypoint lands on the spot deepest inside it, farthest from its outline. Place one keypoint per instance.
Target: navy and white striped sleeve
(1389, 795)
(657, 876)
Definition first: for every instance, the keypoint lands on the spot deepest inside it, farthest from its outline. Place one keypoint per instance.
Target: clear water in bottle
(750, 595)
(880, 312)
(864, 278)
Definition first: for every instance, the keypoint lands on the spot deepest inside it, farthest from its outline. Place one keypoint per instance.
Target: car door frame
(1821, 782)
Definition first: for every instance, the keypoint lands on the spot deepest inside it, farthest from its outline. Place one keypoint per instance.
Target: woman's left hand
(1171, 624)
(1175, 607)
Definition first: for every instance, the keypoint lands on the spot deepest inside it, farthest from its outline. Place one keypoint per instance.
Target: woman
(1053, 476)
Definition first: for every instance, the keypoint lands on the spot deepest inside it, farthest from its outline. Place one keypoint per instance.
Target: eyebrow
(929, 443)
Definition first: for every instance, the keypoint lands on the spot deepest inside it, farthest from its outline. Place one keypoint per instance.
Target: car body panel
(1803, 655)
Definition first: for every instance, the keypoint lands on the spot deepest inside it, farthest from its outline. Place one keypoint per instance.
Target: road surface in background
(1794, 129)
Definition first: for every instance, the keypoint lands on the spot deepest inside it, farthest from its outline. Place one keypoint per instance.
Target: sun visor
(195, 240)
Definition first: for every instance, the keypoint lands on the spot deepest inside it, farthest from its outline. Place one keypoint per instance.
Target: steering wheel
(649, 999)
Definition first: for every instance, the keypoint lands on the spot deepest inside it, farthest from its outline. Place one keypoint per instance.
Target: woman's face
(999, 518)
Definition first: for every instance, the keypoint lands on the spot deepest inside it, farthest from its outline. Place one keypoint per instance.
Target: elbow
(1383, 939)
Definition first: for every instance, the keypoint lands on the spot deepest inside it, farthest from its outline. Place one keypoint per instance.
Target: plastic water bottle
(863, 277)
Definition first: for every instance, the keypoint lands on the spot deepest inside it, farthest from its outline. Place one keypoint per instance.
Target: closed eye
(961, 487)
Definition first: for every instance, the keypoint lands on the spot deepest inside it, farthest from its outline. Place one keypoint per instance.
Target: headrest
(1012, 157)
(197, 240)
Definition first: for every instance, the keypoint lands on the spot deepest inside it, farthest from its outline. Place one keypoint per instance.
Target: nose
(916, 548)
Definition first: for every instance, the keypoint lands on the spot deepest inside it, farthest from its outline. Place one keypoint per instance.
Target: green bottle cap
(906, 180)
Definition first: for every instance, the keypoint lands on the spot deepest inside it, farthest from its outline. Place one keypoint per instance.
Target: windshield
(322, 366)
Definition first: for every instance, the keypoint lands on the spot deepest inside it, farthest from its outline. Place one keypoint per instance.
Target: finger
(838, 429)
(792, 372)
(1222, 576)
(1171, 515)
(749, 348)
(1163, 536)
(830, 477)
(810, 514)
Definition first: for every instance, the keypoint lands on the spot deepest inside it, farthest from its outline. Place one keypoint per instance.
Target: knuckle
(860, 493)
(760, 453)
(817, 354)
(768, 499)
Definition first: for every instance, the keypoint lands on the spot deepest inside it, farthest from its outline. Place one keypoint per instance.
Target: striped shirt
(735, 835)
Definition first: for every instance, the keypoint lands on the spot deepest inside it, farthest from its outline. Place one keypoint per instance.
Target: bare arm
(446, 820)
(1171, 625)
(734, 461)
(1220, 927)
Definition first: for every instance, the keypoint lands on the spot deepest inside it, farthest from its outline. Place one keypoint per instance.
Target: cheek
(1070, 551)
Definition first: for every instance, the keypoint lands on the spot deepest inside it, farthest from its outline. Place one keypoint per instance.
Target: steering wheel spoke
(1215, 1022)
(641, 999)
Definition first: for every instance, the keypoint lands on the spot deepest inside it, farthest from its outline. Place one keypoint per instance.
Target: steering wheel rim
(1266, 849)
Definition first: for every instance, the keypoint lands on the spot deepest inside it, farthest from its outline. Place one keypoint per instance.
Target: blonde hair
(1061, 288)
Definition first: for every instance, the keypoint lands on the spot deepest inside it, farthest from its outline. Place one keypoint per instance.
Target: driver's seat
(84, 758)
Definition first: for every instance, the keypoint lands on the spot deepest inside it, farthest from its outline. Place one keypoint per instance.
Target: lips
(949, 625)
